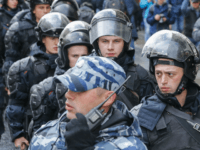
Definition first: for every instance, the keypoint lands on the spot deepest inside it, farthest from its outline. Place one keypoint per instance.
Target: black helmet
(66, 9)
(73, 3)
(172, 45)
(177, 47)
(37, 2)
(110, 22)
(51, 24)
(75, 33)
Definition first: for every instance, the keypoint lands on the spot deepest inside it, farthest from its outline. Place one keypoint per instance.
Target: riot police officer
(7, 12)
(170, 119)
(110, 35)
(93, 84)
(67, 7)
(47, 98)
(21, 34)
(31, 70)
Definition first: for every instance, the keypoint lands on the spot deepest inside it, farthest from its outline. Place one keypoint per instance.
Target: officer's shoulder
(19, 66)
(135, 110)
(14, 27)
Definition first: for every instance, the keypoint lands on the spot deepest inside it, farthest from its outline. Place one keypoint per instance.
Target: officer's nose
(110, 45)
(56, 41)
(164, 79)
(69, 95)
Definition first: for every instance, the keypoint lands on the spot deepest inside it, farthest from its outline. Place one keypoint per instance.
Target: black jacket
(22, 75)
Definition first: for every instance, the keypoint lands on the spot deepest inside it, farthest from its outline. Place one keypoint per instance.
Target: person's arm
(43, 104)
(12, 48)
(185, 7)
(18, 100)
(151, 17)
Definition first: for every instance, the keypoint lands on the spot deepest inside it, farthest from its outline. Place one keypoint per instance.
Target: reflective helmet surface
(172, 45)
(67, 10)
(75, 33)
(37, 2)
(51, 25)
(110, 22)
(60, 2)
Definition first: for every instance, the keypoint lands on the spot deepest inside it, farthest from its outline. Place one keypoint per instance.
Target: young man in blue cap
(90, 83)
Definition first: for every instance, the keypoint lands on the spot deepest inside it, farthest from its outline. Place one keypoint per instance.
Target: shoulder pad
(48, 84)
(19, 16)
(135, 110)
(36, 95)
(19, 66)
(14, 27)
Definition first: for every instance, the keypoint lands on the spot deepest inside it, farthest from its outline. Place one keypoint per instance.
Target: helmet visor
(169, 45)
(110, 28)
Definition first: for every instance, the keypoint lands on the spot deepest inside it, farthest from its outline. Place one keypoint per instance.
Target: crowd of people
(68, 79)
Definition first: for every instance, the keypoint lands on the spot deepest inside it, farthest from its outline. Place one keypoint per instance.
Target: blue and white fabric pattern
(92, 72)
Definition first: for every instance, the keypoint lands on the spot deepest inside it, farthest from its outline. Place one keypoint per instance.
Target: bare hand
(157, 17)
(164, 19)
(21, 142)
(8, 91)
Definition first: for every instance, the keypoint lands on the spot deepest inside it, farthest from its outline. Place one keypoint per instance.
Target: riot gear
(173, 45)
(110, 22)
(76, 33)
(73, 3)
(37, 2)
(47, 27)
(176, 47)
(67, 10)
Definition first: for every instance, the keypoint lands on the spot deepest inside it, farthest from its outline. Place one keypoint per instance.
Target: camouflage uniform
(119, 129)
(51, 135)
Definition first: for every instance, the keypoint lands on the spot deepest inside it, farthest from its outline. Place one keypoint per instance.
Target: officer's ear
(43, 39)
(111, 99)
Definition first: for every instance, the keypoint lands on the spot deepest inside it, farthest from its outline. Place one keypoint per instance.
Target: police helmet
(75, 33)
(37, 2)
(73, 3)
(110, 22)
(67, 10)
(172, 45)
(51, 25)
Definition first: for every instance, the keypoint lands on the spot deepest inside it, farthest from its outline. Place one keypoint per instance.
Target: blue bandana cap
(92, 72)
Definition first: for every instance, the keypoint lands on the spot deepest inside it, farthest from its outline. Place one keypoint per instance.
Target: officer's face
(195, 5)
(81, 102)
(110, 46)
(40, 10)
(12, 3)
(168, 77)
(74, 52)
(51, 44)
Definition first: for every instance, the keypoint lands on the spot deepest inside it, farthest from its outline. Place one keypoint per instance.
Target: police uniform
(119, 129)
(28, 71)
(165, 123)
(115, 23)
(47, 105)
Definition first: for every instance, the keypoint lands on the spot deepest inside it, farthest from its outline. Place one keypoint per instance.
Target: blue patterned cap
(92, 72)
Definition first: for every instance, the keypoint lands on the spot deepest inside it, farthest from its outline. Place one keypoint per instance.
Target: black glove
(78, 135)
